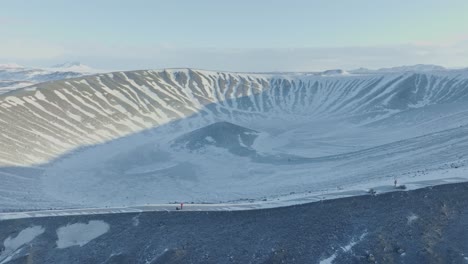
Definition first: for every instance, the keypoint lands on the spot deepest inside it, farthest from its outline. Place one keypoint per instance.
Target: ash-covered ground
(427, 225)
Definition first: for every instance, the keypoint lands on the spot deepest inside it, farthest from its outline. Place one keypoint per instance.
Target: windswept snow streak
(43, 122)
(311, 132)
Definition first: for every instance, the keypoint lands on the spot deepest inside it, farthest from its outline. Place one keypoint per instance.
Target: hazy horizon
(239, 36)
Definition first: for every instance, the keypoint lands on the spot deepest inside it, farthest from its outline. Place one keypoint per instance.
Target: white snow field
(127, 139)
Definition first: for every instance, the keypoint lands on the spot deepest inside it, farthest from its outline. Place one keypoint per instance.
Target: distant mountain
(10, 66)
(14, 76)
(334, 72)
(67, 64)
(74, 66)
(417, 67)
(410, 68)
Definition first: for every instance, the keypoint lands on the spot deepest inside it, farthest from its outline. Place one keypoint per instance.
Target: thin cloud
(300, 59)
(29, 50)
(4, 21)
(236, 59)
(461, 39)
(8, 21)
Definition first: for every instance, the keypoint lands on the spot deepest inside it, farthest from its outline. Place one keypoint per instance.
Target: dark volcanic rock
(422, 226)
(237, 139)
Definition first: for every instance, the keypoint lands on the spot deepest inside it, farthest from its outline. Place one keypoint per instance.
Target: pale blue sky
(240, 35)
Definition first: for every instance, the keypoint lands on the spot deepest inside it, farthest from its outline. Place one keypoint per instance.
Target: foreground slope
(423, 226)
(112, 139)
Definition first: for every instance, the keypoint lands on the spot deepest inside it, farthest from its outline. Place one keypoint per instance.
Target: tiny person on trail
(181, 206)
(395, 182)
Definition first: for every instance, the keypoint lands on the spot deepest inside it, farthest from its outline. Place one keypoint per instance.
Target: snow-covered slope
(14, 76)
(203, 136)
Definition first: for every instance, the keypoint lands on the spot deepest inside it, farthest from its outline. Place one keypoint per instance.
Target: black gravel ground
(423, 226)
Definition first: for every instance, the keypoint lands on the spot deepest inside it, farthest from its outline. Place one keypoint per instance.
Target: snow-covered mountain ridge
(312, 132)
(14, 76)
(107, 106)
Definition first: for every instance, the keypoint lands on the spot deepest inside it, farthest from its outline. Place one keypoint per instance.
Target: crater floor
(152, 137)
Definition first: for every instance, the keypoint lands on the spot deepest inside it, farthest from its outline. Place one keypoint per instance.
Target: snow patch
(11, 245)
(343, 249)
(328, 260)
(210, 139)
(411, 218)
(136, 221)
(80, 234)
